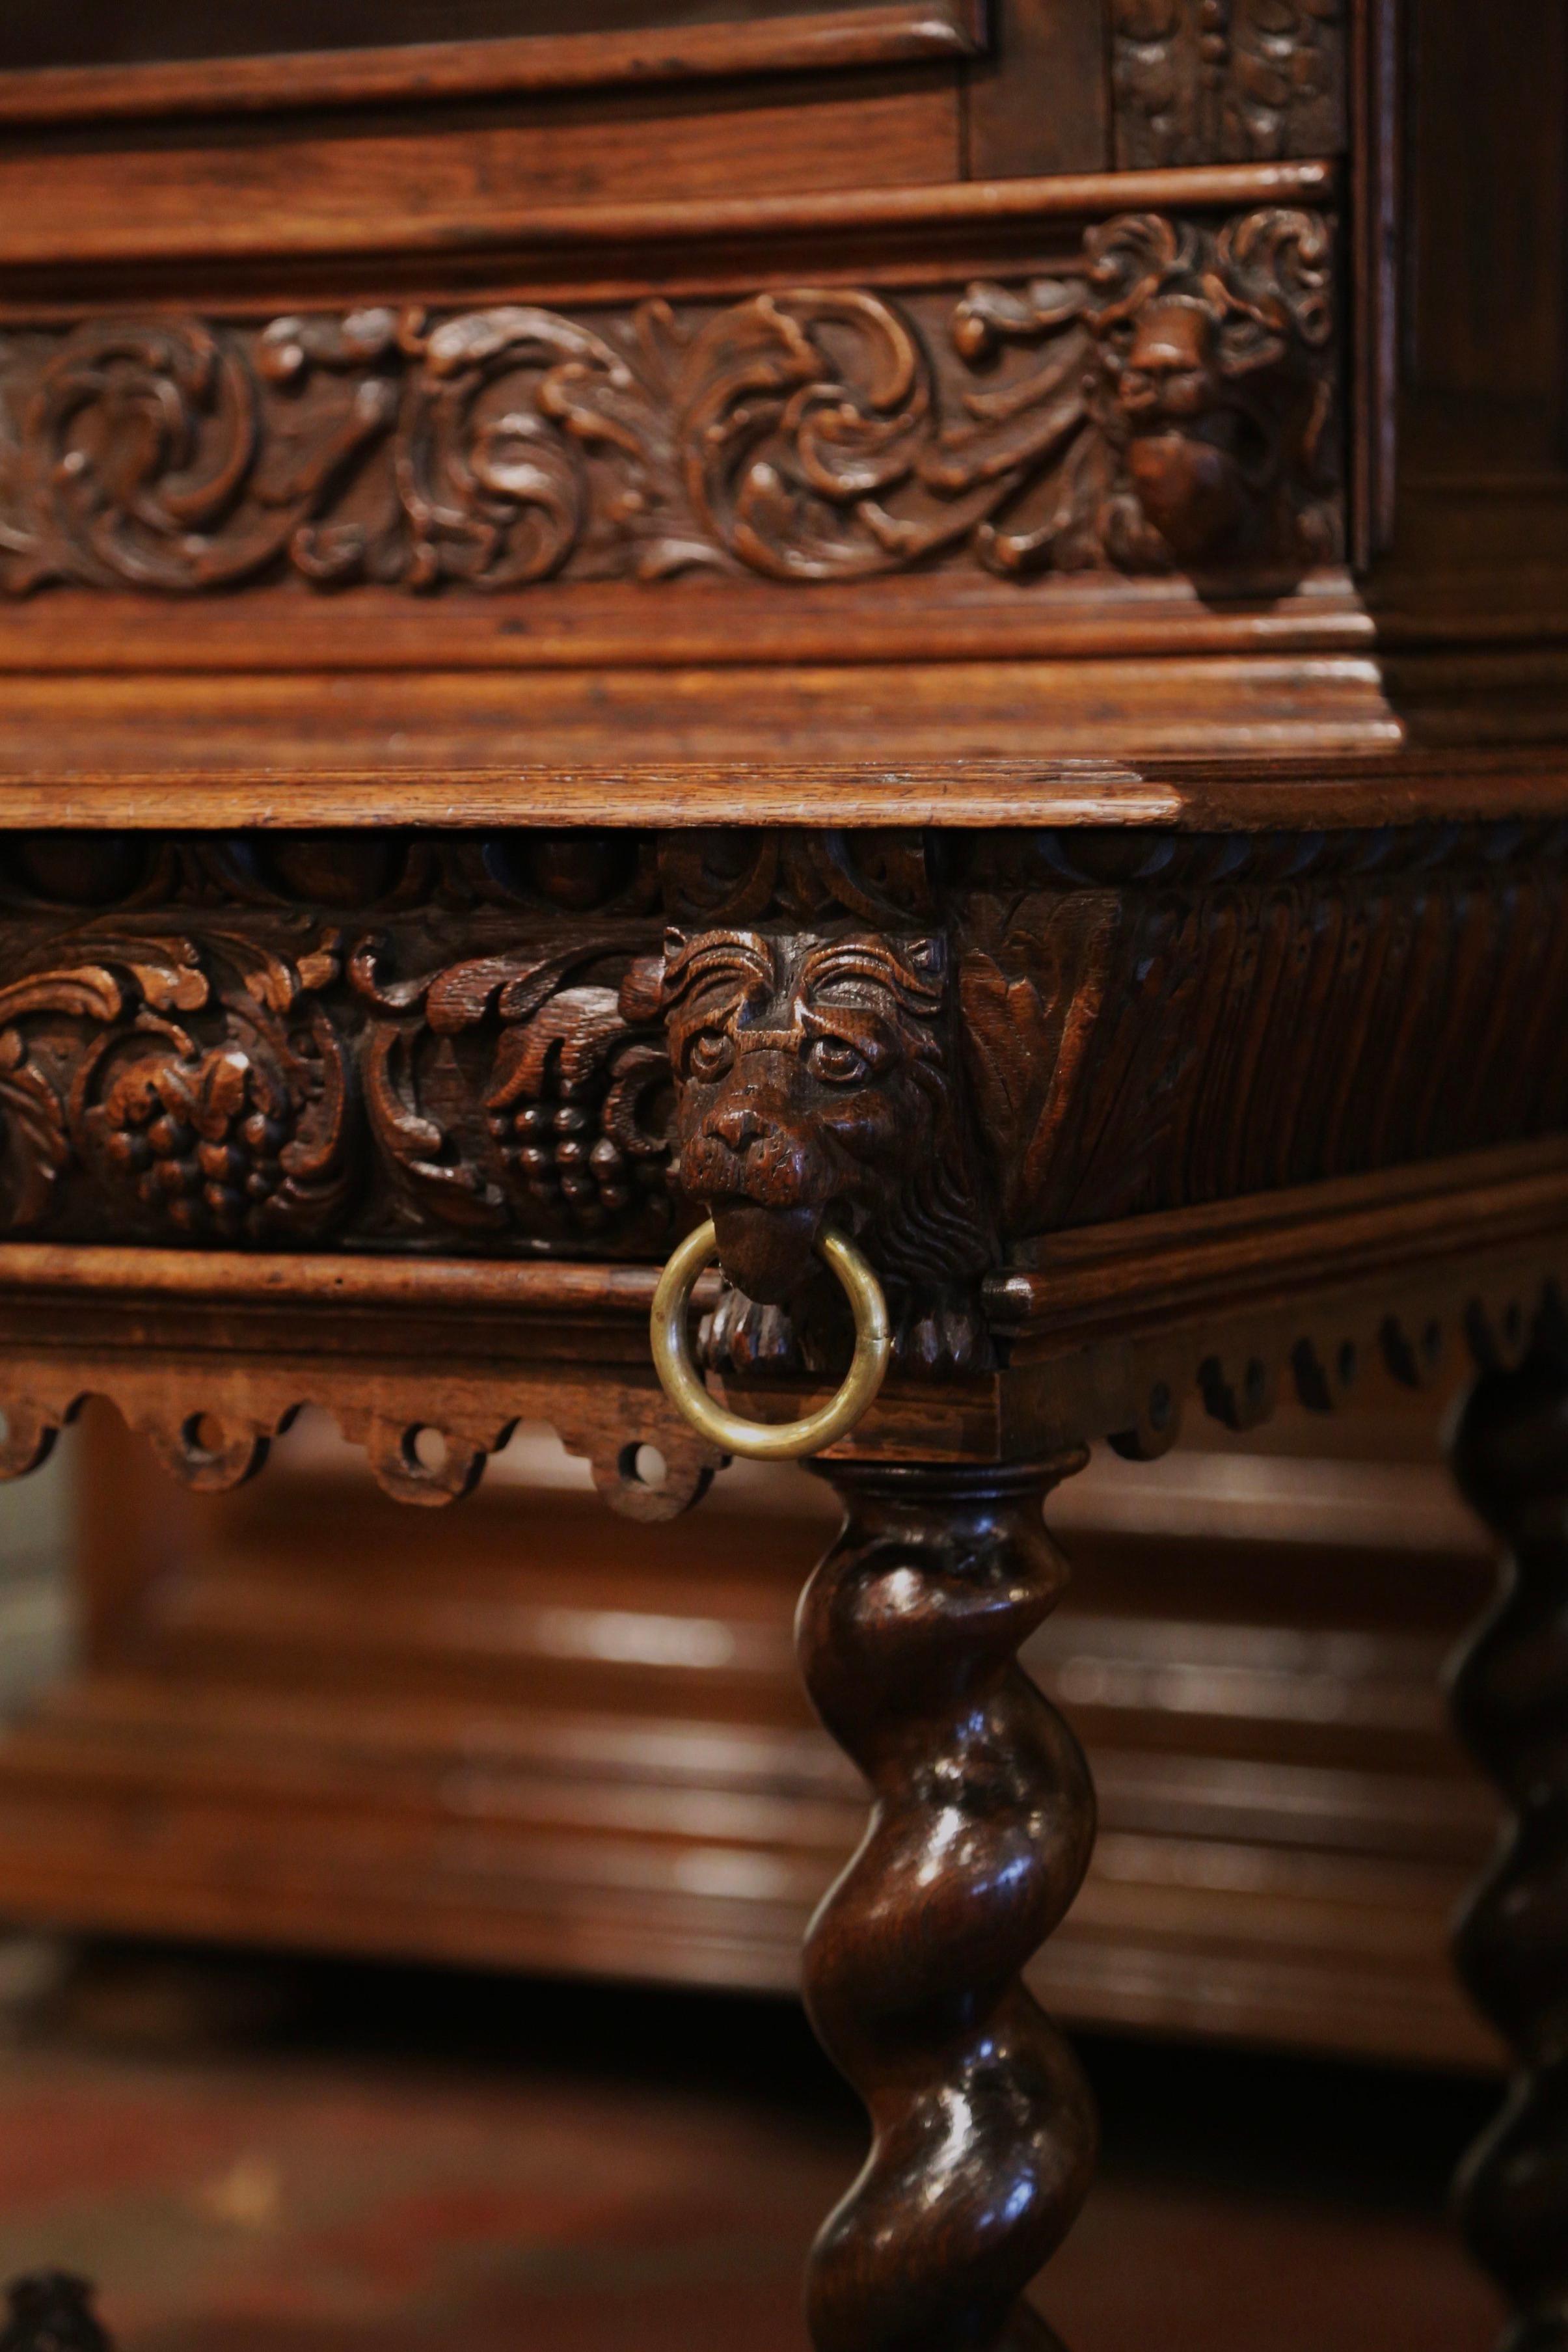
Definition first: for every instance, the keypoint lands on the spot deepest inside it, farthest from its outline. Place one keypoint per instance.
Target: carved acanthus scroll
(236, 1082)
(1161, 398)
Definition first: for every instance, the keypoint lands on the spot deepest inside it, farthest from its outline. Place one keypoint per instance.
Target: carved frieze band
(564, 1043)
(1163, 397)
(1228, 81)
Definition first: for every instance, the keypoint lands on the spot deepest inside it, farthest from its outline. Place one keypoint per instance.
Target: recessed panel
(35, 33)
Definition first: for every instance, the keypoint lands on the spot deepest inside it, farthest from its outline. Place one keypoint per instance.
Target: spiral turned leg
(1511, 1702)
(983, 2130)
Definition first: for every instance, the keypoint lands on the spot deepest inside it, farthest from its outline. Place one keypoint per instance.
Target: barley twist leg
(982, 2130)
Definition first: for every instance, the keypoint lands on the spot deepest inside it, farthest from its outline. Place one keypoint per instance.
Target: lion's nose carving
(738, 1127)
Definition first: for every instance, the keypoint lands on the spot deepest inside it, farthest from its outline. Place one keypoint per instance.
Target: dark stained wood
(1489, 150)
(1473, 573)
(99, 32)
(1206, 81)
(769, 40)
(983, 1819)
(411, 182)
(1039, 100)
(1121, 1326)
(757, 193)
(1183, 372)
(1377, 162)
(517, 1041)
(1510, 1703)
(1041, 468)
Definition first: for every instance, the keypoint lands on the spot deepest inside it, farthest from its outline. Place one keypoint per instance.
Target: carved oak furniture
(930, 634)
(299, 1715)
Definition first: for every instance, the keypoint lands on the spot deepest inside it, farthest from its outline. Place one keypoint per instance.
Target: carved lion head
(818, 1076)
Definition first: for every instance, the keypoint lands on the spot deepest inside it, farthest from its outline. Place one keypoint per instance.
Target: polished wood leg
(983, 2130)
(1511, 1702)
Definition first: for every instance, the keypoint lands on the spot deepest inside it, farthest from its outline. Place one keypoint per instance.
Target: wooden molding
(522, 228)
(211, 1353)
(897, 32)
(211, 1375)
(1221, 1257)
(1303, 1286)
(846, 793)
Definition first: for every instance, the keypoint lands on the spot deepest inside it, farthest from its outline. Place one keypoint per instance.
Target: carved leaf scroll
(1163, 398)
(211, 1084)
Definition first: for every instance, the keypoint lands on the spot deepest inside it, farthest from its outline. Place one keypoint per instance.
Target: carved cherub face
(814, 1079)
(1171, 373)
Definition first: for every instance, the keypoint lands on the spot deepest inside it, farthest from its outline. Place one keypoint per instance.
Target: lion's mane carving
(818, 1076)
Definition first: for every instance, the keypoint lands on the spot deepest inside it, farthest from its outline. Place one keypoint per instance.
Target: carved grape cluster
(566, 1162)
(580, 1106)
(201, 1144)
(562, 1163)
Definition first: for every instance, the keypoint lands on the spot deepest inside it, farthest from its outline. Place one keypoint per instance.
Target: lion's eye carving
(709, 1056)
(836, 1062)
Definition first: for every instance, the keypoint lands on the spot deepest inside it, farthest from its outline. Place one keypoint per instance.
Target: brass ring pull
(763, 1441)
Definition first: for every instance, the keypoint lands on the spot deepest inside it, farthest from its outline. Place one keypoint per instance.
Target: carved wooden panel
(464, 1041)
(1162, 397)
(1228, 81)
(1182, 1020)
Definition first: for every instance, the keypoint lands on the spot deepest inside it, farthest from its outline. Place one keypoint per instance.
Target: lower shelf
(531, 1735)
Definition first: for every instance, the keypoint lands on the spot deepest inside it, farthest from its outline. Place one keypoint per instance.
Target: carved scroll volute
(819, 1078)
(1114, 415)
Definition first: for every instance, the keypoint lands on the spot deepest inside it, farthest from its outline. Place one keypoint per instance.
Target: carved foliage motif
(202, 1085)
(240, 1133)
(1183, 407)
(574, 1096)
(1162, 398)
(1228, 81)
(961, 1040)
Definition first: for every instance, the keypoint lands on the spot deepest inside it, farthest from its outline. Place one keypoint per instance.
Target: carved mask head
(1170, 374)
(815, 1078)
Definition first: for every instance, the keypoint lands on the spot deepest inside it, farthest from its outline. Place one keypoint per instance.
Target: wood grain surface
(887, 32)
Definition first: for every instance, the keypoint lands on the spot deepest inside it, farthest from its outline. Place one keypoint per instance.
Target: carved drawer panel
(468, 1042)
(1162, 397)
